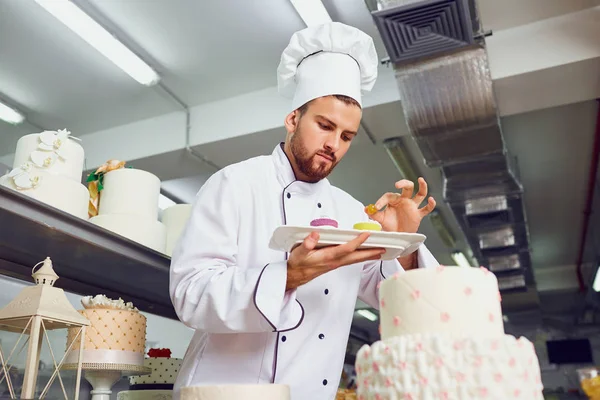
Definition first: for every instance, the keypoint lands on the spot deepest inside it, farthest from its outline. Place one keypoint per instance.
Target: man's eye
(324, 127)
(346, 138)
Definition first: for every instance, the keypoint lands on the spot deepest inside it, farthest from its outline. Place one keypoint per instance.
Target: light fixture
(164, 202)
(371, 316)
(596, 285)
(10, 115)
(396, 149)
(439, 223)
(460, 259)
(312, 12)
(99, 38)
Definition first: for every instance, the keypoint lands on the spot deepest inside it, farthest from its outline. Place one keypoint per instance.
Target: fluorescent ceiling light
(10, 115)
(164, 202)
(596, 285)
(460, 259)
(312, 12)
(371, 316)
(99, 38)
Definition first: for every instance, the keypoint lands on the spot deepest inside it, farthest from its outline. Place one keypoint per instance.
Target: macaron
(367, 226)
(324, 222)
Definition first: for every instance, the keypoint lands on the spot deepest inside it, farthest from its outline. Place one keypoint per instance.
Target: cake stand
(102, 376)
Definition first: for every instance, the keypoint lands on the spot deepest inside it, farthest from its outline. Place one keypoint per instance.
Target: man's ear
(291, 121)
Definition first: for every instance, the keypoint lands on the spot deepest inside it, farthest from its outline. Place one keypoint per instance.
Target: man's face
(322, 136)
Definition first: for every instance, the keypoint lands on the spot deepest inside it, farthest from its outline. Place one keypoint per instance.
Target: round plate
(397, 244)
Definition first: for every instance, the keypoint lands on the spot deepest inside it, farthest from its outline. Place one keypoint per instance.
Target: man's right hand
(305, 263)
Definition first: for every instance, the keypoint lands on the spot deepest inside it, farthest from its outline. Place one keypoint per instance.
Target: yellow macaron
(367, 226)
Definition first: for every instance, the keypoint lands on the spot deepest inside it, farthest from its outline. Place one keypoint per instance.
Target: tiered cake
(128, 206)
(157, 385)
(175, 218)
(443, 338)
(48, 167)
(117, 334)
(229, 392)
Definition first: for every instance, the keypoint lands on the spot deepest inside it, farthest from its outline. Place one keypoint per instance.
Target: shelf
(89, 259)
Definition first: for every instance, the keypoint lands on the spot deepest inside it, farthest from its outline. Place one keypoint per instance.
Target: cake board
(102, 376)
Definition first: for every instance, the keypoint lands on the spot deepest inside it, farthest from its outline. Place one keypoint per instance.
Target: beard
(312, 169)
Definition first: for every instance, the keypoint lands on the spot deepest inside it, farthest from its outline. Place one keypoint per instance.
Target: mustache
(327, 154)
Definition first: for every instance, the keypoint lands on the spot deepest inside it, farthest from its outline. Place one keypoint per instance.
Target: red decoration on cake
(445, 317)
(444, 396)
(483, 392)
(416, 294)
(396, 321)
(388, 381)
(159, 353)
(498, 377)
(440, 268)
(468, 291)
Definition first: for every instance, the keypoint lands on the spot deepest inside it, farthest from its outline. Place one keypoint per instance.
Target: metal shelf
(90, 260)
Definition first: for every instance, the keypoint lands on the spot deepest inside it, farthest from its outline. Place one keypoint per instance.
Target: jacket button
(321, 336)
(289, 195)
(283, 338)
(324, 382)
(319, 205)
(326, 291)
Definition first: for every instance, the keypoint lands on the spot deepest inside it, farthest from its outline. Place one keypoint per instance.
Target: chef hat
(327, 59)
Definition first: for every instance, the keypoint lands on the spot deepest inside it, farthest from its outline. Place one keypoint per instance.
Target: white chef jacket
(228, 285)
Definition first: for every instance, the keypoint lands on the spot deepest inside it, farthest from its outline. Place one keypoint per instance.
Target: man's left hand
(402, 212)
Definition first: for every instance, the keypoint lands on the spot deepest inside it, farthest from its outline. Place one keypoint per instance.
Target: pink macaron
(324, 222)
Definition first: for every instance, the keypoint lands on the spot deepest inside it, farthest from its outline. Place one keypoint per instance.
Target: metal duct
(441, 66)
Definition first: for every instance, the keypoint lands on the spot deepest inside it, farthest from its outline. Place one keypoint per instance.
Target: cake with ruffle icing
(117, 334)
(48, 167)
(159, 384)
(442, 337)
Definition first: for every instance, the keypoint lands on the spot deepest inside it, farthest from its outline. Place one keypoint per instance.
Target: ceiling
(204, 51)
(211, 50)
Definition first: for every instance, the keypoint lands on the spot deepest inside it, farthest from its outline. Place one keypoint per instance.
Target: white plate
(397, 244)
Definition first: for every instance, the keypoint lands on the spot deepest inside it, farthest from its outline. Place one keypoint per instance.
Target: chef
(263, 316)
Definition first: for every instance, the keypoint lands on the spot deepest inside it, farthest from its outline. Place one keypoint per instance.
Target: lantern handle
(36, 265)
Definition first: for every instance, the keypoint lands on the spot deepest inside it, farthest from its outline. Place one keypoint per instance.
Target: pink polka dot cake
(442, 337)
(321, 222)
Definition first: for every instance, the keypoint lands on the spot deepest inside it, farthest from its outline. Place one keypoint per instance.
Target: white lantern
(35, 311)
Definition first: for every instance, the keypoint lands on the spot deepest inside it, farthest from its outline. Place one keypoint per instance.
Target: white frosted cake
(128, 206)
(159, 383)
(443, 338)
(175, 218)
(117, 334)
(229, 392)
(48, 167)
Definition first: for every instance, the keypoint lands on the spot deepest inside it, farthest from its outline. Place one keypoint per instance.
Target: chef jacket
(228, 285)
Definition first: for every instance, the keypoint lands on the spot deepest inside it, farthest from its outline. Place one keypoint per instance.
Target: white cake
(443, 338)
(157, 385)
(175, 218)
(230, 392)
(48, 167)
(128, 206)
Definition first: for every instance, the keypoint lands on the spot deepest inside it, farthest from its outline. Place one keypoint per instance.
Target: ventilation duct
(438, 52)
